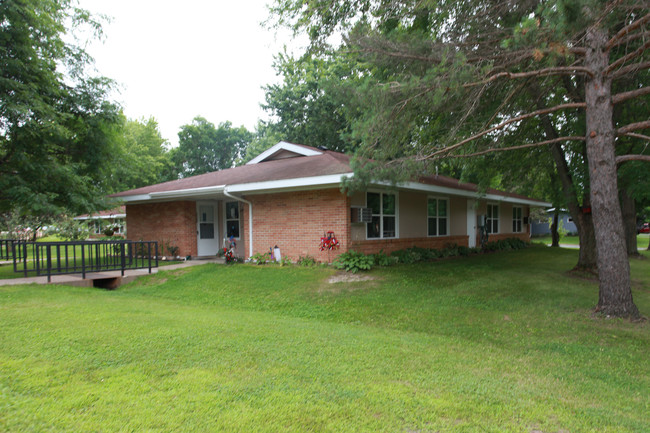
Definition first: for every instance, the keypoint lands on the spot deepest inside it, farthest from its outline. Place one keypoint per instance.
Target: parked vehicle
(643, 228)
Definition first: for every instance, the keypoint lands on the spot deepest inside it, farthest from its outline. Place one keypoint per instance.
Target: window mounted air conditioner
(361, 214)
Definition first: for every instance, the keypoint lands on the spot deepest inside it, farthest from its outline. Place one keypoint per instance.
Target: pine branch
(617, 39)
(504, 124)
(635, 135)
(625, 158)
(566, 70)
(621, 97)
(624, 59)
(522, 146)
(633, 127)
(631, 68)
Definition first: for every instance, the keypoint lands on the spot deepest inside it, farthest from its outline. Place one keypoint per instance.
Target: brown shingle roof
(292, 168)
(328, 163)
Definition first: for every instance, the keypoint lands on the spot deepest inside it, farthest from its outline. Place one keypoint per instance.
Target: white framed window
(492, 218)
(437, 216)
(384, 215)
(231, 218)
(517, 219)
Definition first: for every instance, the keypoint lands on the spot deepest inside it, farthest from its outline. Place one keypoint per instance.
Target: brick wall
(172, 223)
(390, 245)
(295, 222)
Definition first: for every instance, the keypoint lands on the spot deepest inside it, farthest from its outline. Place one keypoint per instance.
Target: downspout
(250, 218)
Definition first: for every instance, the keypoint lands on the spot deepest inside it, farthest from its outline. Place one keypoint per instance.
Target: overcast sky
(176, 60)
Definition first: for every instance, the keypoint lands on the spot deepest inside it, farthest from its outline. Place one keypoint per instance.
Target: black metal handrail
(82, 257)
(5, 249)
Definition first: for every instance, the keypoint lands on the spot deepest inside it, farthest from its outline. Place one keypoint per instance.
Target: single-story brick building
(290, 196)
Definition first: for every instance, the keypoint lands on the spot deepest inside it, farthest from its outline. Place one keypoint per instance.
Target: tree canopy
(55, 119)
(204, 148)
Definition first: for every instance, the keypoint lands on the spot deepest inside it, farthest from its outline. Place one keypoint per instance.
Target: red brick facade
(171, 223)
(296, 221)
(389, 245)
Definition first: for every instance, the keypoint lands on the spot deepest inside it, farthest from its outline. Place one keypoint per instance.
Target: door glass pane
(206, 214)
(206, 230)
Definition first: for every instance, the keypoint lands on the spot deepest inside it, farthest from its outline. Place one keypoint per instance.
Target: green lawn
(641, 241)
(502, 342)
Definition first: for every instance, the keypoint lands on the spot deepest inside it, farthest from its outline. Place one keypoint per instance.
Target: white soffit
(283, 145)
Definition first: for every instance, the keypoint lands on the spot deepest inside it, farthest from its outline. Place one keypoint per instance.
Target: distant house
(290, 196)
(543, 227)
(99, 221)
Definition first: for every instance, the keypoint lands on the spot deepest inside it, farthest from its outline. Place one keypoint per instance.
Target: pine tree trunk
(615, 294)
(629, 223)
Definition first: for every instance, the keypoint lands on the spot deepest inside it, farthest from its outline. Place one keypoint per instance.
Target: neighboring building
(290, 196)
(99, 221)
(543, 228)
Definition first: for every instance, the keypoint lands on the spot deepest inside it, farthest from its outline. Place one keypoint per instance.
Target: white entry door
(471, 223)
(207, 234)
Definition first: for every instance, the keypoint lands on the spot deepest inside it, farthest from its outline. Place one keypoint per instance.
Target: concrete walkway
(109, 279)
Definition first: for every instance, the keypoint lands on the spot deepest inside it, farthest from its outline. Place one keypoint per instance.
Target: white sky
(175, 60)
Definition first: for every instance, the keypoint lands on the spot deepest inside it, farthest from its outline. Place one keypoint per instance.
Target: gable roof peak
(283, 150)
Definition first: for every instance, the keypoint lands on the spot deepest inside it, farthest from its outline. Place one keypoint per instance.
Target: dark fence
(5, 249)
(59, 258)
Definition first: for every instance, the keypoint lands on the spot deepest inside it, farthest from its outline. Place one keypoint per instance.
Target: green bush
(259, 258)
(382, 259)
(354, 261)
(306, 261)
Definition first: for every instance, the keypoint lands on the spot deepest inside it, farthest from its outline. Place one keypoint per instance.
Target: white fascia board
(285, 184)
(463, 193)
(179, 193)
(136, 197)
(193, 192)
(283, 145)
(102, 217)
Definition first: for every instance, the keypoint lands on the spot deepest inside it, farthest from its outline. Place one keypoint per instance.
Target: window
(517, 220)
(384, 215)
(493, 218)
(437, 216)
(232, 219)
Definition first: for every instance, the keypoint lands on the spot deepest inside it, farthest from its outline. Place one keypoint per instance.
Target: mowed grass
(496, 343)
(642, 240)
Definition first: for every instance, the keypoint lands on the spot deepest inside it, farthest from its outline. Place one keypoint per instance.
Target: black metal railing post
(48, 252)
(83, 262)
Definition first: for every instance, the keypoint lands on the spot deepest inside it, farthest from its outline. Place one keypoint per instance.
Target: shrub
(306, 261)
(353, 261)
(259, 258)
(382, 259)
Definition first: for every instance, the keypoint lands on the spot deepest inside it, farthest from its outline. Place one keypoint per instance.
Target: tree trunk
(587, 256)
(615, 294)
(555, 236)
(629, 222)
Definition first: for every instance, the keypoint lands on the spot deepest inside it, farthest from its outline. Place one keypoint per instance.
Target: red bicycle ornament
(328, 242)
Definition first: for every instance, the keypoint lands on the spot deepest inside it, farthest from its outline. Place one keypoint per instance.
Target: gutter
(250, 218)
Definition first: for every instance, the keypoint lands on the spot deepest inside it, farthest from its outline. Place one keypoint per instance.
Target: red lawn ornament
(328, 242)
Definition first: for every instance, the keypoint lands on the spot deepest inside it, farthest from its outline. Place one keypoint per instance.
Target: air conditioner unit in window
(361, 214)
